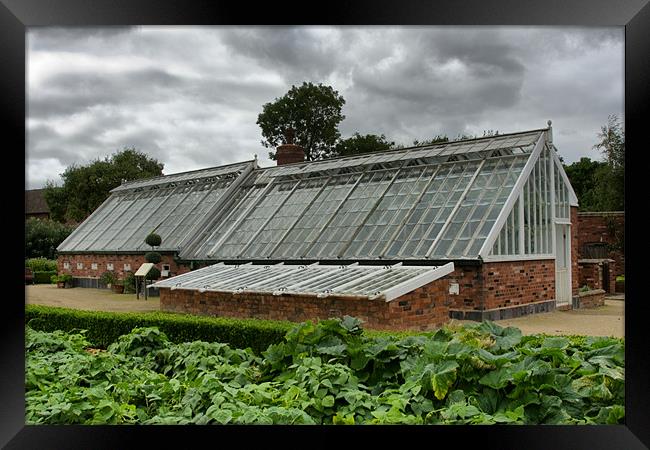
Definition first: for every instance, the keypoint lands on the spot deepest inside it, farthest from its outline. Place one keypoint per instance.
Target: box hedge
(41, 277)
(105, 327)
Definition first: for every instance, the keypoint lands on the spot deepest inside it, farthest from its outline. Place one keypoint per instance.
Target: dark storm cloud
(190, 96)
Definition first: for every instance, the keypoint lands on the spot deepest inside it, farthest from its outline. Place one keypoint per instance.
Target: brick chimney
(289, 153)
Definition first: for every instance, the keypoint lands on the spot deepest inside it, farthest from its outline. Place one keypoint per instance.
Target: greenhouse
(498, 208)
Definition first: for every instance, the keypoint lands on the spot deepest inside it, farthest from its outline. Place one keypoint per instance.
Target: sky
(190, 96)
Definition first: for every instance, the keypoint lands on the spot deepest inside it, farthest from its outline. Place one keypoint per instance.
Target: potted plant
(62, 281)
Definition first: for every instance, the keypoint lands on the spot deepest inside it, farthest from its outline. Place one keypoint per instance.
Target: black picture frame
(18, 15)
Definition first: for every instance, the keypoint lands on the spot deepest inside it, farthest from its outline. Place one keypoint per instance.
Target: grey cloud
(196, 105)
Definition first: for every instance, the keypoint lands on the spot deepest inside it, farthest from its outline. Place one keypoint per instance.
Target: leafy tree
(313, 111)
(611, 182)
(43, 236)
(86, 187)
(358, 144)
(599, 185)
(584, 176)
(612, 142)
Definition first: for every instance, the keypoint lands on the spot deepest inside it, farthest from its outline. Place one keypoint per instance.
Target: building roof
(447, 201)
(35, 202)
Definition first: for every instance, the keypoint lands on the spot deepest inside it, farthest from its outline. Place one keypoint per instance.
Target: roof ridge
(401, 149)
(160, 177)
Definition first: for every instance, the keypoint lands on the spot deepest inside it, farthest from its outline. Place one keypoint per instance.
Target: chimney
(289, 153)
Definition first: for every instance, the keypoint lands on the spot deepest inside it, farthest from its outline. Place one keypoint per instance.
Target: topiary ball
(153, 240)
(153, 274)
(152, 257)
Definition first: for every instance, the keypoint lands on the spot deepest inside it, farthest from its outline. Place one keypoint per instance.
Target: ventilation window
(127, 267)
(93, 266)
(80, 265)
(66, 265)
(165, 270)
(109, 266)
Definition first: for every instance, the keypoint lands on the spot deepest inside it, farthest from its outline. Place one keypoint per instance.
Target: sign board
(144, 269)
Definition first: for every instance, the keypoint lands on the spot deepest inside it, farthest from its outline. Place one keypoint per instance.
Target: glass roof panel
(318, 280)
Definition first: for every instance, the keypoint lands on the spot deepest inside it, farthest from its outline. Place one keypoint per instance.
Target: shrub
(129, 283)
(153, 240)
(153, 274)
(153, 257)
(104, 328)
(41, 277)
(63, 278)
(108, 277)
(43, 236)
(41, 264)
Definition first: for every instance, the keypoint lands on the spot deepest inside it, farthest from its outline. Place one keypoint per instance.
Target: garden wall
(502, 290)
(118, 261)
(603, 228)
(423, 309)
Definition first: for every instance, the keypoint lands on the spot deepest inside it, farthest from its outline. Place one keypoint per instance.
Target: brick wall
(518, 283)
(591, 299)
(595, 228)
(591, 274)
(423, 309)
(118, 261)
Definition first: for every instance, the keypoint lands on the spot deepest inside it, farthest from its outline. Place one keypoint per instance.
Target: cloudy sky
(190, 96)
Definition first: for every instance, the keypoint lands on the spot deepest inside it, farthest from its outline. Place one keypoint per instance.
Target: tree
(612, 142)
(358, 144)
(43, 236)
(584, 176)
(86, 187)
(611, 182)
(313, 111)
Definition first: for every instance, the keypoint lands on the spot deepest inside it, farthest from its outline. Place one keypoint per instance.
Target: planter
(118, 288)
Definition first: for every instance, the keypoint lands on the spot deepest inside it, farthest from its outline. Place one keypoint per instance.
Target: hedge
(105, 327)
(44, 277)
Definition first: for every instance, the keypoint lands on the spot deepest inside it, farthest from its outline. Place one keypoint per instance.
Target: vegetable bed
(324, 373)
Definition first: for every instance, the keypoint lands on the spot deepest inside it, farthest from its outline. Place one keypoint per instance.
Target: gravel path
(88, 299)
(604, 321)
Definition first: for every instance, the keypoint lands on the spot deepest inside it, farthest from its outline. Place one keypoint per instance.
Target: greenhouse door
(562, 265)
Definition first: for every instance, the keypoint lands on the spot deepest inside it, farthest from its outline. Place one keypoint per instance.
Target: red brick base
(422, 309)
(118, 261)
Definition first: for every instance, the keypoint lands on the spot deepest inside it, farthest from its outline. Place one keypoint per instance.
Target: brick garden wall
(118, 261)
(423, 309)
(515, 283)
(595, 228)
(575, 254)
(524, 284)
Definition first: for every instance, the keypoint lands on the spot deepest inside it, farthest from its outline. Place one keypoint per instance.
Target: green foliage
(327, 373)
(41, 264)
(104, 328)
(108, 277)
(129, 283)
(41, 277)
(62, 278)
(153, 239)
(42, 237)
(153, 274)
(86, 187)
(358, 144)
(600, 186)
(584, 177)
(313, 111)
(153, 257)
